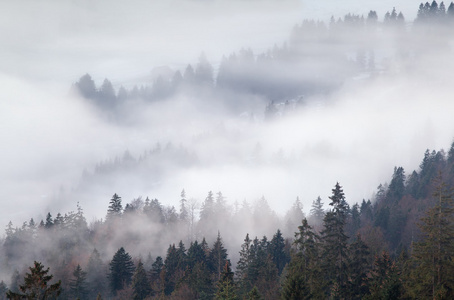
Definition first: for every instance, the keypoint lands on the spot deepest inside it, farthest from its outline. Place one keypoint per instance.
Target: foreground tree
(36, 285)
(78, 285)
(433, 276)
(140, 285)
(121, 270)
(226, 289)
(334, 240)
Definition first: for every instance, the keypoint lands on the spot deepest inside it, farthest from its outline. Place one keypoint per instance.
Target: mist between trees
(325, 106)
(226, 249)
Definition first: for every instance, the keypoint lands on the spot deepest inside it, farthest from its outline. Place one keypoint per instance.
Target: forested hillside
(396, 244)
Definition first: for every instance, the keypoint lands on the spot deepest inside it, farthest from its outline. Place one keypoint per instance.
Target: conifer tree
(305, 263)
(121, 270)
(317, 209)
(254, 294)
(140, 285)
(226, 289)
(243, 266)
(358, 269)
(335, 251)
(277, 252)
(96, 274)
(78, 285)
(36, 285)
(433, 255)
(217, 258)
(384, 280)
(115, 208)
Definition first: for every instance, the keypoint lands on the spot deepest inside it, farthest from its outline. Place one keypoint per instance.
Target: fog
(355, 133)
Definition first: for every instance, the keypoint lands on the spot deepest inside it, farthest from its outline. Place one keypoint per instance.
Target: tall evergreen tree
(305, 263)
(78, 285)
(226, 289)
(317, 209)
(140, 284)
(433, 255)
(384, 281)
(115, 208)
(217, 258)
(121, 270)
(358, 269)
(96, 274)
(335, 251)
(36, 285)
(277, 251)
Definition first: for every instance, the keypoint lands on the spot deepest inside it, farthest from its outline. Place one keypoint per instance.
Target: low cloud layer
(355, 135)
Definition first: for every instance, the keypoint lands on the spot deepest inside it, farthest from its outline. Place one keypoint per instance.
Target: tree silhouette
(36, 285)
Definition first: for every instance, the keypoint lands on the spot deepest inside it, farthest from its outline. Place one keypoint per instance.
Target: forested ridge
(399, 244)
(317, 58)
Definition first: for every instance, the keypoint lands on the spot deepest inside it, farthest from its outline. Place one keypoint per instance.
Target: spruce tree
(217, 258)
(384, 281)
(433, 255)
(277, 251)
(96, 274)
(115, 208)
(335, 251)
(140, 284)
(36, 285)
(78, 285)
(226, 289)
(358, 269)
(121, 270)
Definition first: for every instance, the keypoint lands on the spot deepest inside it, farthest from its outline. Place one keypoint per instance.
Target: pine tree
(96, 274)
(317, 209)
(115, 208)
(217, 258)
(358, 269)
(78, 285)
(254, 294)
(277, 251)
(243, 266)
(335, 251)
(140, 285)
(36, 285)
(121, 270)
(433, 255)
(384, 280)
(305, 263)
(226, 289)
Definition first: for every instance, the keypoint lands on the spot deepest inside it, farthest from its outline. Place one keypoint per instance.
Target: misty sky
(49, 137)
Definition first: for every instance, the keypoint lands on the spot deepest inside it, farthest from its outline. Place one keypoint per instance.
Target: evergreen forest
(396, 244)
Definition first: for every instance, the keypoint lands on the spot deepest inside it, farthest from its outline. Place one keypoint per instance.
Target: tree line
(361, 251)
(317, 58)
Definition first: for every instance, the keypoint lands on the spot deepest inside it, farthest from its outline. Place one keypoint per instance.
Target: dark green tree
(140, 284)
(358, 269)
(276, 250)
(121, 270)
(433, 255)
(335, 251)
(254, 294)
(384, 281)
(217, 258)
(305, 263)
(96, 274)
(36, 285)
(226, 289)
(78, 285)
